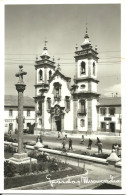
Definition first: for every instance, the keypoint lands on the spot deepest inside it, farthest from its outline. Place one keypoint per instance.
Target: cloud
(113, 89)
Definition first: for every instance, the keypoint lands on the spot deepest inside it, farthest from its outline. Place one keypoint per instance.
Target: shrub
(10, 149)
(34, 167)
(53, 166)
(23, 169)
(33, 154)
(9, 169)
(41, 167)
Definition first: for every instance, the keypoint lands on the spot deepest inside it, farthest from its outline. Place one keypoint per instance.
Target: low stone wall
(71, 155)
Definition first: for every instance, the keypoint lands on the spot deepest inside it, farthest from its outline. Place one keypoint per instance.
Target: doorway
(58, 125)
(103, 126)
(112, 127)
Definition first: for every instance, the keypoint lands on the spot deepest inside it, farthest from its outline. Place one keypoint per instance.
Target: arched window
(40, 75)
(50, 74)
(82, 122)
(83, 68)
(94, 67)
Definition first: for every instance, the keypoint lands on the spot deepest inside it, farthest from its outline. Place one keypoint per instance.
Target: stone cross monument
(21, 156)
(20, 87)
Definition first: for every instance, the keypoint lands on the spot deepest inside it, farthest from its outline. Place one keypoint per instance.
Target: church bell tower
(86, 84)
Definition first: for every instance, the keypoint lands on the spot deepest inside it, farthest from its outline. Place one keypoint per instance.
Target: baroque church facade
(60, 106)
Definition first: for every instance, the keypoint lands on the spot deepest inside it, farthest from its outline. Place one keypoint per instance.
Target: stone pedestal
(113, 158)
(22, 159)
(39, 145)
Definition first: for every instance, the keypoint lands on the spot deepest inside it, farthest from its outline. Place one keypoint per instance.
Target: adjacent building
(11, 113)
(109, 114)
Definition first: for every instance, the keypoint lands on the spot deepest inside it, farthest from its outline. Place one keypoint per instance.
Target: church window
(67, 98)
(40, 75)
(83, 68)
(39, 108)
(50, 74)
(57, 91)
(82, 86)
(82, 106)
(94, 68)
(48, 103)
(40, 121)
(82, 122)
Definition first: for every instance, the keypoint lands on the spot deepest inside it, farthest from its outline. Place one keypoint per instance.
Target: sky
(63, 26)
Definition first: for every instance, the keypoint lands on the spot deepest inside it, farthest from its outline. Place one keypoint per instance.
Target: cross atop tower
(20, 74)
(86, 35)
(46, 42)
(58, 66)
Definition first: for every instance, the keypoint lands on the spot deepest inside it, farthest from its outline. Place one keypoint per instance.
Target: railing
(81, 112)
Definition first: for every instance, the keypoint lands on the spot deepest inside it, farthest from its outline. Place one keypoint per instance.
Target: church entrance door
(58, 125)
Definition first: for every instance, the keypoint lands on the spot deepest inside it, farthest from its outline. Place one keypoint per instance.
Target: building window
(10, 112)
(57, 91)
(82, 123)
(94, 68)
(83, 68)
(82, 108)
(103, 111)
(40, 75)
(82, 86)
(112, 111)
(39, 111)
(28, 113)
(50, 74)
(48, 103)
(67, 99)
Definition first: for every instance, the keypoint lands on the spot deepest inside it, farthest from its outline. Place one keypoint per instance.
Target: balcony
(81, 112)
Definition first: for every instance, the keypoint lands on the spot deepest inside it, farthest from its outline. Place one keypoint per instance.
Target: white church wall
(68, 118)
(94, 115)
(94, 87)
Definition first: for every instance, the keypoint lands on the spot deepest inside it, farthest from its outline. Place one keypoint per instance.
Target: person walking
(89, 144)
(41, 138)
(58, 135)
(70, 144)
(82, 140)
(98, 141)
(99, 147)
(64, 144)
